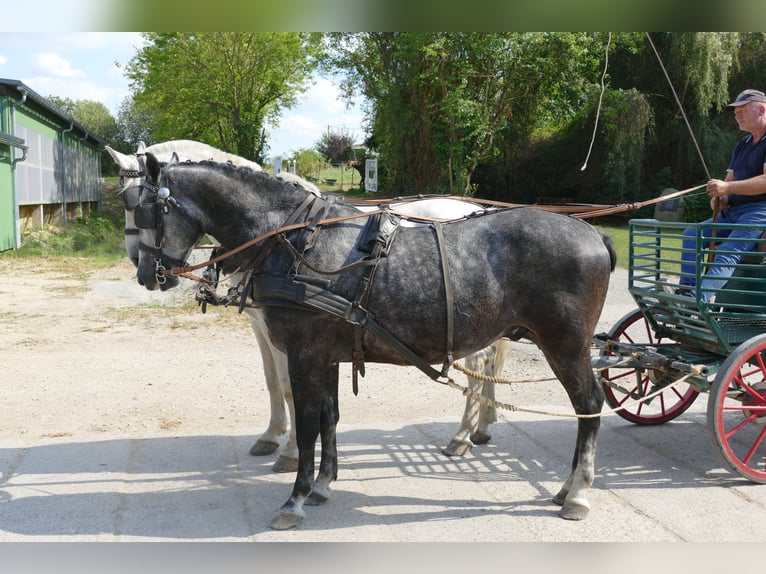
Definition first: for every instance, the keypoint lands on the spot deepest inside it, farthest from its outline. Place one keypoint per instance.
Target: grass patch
(98, 238)
(184, 316)
(146, 311)
(621, 238)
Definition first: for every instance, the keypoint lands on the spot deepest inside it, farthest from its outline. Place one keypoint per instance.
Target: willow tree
(642, 143)
(220, 87)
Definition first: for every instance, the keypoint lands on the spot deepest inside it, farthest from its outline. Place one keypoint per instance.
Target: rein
(186, 270)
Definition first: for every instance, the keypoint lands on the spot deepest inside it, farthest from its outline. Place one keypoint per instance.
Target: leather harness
(299, 291)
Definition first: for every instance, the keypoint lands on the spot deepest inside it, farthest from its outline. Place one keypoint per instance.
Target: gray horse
(439, 292)
(477, 417)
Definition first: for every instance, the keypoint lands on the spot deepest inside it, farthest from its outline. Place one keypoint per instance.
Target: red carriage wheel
(622, 385)
(737, 410)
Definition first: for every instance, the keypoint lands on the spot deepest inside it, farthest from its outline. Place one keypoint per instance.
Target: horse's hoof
(574, 511)
(458, 448)
(316, 498)
(561, 497)
(480, 437)
(263, 447)
(285, 520)
(285, 464)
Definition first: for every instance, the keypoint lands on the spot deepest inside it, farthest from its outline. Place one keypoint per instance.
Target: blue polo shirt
(747, 161)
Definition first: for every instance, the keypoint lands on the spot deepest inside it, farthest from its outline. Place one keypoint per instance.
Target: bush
(94, 236)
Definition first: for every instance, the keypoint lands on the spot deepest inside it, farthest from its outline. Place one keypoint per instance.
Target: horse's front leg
(328, 420)
(306, 380)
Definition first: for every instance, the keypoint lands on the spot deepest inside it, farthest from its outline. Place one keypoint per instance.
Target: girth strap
(378, 237)
(278, 290)
(448, 296)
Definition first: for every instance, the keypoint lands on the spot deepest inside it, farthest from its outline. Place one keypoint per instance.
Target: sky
(84, 66)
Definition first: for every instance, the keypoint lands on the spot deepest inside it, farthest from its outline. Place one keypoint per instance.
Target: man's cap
(747, 96)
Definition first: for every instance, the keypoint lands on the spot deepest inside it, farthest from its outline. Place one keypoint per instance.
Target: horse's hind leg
(274, 367)
(470, 424)
(280, 395)
(328, 421)
(488, 413)
(573, 494)
(474, 426)
(288, 458)
(587, 399)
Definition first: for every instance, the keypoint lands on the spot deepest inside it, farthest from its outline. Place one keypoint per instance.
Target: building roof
(50, 107)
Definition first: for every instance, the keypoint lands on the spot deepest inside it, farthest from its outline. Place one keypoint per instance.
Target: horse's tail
(609, 244)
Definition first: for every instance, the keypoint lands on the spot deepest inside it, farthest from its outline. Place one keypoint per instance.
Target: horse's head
(131, 180)
(168, 230)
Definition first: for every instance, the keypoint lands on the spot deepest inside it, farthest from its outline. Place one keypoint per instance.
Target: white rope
(600, 98)
(496, 380)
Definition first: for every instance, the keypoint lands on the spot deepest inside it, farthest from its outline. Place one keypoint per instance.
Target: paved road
(189, 483)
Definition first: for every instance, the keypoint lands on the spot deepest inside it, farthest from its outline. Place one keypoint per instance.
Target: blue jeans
(718, 275)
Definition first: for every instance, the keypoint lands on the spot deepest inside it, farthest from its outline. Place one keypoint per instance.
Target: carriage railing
(713, 320)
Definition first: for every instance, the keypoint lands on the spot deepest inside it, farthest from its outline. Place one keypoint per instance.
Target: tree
(93, 115)
(442, 103)
(220, 87)
(335, 146)
(134, 127)
(96, 117)
(307, 162)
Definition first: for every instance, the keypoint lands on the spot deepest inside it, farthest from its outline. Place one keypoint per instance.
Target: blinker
(145, 215)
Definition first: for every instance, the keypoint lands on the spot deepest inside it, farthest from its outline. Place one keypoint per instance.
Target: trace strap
(309, 292)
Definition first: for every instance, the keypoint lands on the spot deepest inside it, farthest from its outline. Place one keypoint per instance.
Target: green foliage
(621, 237)
(335, 146)
(93, 115)
(134, 127)
(96, 117)
(642, 143)
(220, 87)
(95, 236)
(697, 207)
(443, 103)
(628, 124)
(99, 236)
(506, 116)
(308, 162)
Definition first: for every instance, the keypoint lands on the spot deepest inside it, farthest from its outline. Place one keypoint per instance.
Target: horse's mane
(198, 149)
(186, 148)
(245, 174)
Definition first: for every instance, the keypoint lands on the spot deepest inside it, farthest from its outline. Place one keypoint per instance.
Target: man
(740, 198)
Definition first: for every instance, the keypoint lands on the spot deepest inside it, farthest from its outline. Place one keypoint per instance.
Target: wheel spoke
(737, 410)
(634, 329)
(749, 456)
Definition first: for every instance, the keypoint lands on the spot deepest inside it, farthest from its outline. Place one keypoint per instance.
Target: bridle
(130, 174)
(154, 203)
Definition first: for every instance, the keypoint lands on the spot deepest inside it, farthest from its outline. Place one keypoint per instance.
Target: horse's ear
(174, 159)
(141, 147)
(124, 161)
(152, 168)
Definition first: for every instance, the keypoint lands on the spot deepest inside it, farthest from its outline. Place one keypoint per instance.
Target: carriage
(656, 360)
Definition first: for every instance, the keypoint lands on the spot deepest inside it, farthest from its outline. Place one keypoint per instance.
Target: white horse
(474, 428)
